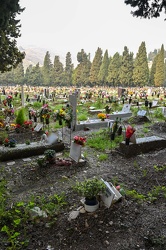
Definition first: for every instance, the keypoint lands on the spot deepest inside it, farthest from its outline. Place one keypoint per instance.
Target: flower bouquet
(27, 124)
(9, 99)
(79, 140)
(102, 116)
(60, 115)
(129, 132)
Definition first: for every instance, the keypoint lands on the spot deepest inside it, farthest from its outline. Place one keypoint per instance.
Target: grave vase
(35, 119)
(112, 136)
(60, 122)
(127, 141)
(47, 121)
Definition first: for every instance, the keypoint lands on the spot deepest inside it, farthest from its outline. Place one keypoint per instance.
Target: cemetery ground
(137, 221)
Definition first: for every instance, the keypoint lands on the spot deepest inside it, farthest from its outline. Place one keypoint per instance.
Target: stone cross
(73, 103)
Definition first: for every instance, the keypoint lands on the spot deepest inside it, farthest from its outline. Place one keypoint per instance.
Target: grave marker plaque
(108, 197)
(75, 151)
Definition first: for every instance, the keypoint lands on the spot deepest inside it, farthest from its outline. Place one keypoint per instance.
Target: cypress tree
(153, 71)
(103, 73)
(19, 74)
(36, 75)
(57, 71)
(141, 69)
(159, 75)
(125, 76)
(114, 69)
(68, 70)
(82, 71)
(46, 70)
(95, 67)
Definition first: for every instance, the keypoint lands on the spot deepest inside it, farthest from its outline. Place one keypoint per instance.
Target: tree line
(118, 70)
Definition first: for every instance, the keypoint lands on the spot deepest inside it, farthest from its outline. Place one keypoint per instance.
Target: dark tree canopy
(10, 56)
(147, 8)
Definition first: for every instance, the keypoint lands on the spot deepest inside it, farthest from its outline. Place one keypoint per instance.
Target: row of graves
(39, 120)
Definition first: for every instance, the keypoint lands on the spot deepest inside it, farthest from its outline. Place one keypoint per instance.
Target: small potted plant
(12, 143)
(28, 142)
(50, 155)
(90, 189)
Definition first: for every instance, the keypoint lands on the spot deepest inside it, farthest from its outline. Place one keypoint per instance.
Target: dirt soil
(129, 224)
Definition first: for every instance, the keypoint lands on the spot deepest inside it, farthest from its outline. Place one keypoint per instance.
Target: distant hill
(36, 55)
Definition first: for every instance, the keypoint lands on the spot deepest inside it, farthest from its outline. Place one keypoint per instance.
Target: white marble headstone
(75, 151)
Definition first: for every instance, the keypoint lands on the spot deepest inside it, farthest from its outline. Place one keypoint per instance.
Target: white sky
(72, 25)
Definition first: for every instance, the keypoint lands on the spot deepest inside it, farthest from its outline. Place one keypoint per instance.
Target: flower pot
(102, 119)
(127, 141)
(91, 208)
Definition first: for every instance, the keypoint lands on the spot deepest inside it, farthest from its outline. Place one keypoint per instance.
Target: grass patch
(101, 140)
(103, 157)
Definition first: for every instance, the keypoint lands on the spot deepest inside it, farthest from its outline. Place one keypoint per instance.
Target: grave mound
(139, 119)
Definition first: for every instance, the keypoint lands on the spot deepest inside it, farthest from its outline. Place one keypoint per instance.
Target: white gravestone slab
(52, 138)
(75, 152)
(108, 197)
(154, 103)
(141, 113)
(38, 127)
(126, 108)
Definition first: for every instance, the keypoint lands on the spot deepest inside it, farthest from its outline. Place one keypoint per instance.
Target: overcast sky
(72, 25)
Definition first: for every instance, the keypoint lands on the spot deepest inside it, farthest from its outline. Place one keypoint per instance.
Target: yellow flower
(102, 116)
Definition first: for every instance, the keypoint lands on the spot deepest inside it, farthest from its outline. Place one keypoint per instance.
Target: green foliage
(21, 118)
(98, 104)
(141, 69)
(37, 105)
(89, 188)
(158, 114)
(95, 67)
(101, 140)
(13, 220)
(135, 195)
(160, 168)
(156, 192)
(103, 157)
(82, 117)
(9, 32)
(49, 153)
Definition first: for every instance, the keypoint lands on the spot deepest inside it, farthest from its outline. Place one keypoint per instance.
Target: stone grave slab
(38, 127)
(92, 124)
(75, 152)
(25, 151)
(142, 145)
(141, 113)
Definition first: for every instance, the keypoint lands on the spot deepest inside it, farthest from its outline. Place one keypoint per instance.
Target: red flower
(129, 131)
